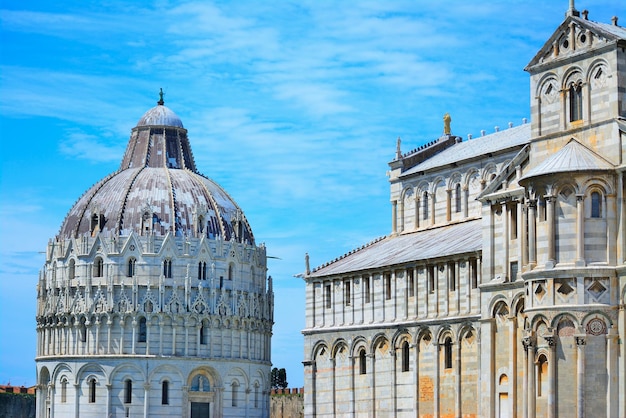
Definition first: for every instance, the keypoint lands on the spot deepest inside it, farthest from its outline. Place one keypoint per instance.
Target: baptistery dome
(157, 190)
(154, 299)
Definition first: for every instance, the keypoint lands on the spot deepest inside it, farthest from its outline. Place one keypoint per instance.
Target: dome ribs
(120, 219)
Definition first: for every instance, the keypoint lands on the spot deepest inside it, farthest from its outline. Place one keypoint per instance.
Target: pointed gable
(576, 36)
(571, 158)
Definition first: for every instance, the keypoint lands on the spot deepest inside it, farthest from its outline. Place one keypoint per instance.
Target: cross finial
(161, 94)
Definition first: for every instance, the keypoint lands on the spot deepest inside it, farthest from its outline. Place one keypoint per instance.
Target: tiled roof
(467, 150)
(461, 238)
(572, 157)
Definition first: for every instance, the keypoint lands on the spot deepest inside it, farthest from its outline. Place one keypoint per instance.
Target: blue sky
(293, 107)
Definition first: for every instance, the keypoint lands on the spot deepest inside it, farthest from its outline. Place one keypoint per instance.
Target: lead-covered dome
(157, 190)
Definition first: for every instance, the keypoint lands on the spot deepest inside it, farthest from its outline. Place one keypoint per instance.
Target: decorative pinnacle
(161, 94)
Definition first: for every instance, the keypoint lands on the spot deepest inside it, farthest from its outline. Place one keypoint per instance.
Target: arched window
(82, 330)
(202, 270)
(231, 269)
(167, 269)
(362, 362)
(130, 270)
(256, 395)
(203, 334)
(542, 375)
(596, 205)
(165, 393)
(447, 345)
(92, 390)
(425, 206)
(405, 356)
(72, 269)
(63, 390)
(98, 267)
(143, 330)
(128, 391)
(234, 388)
(575, 102)
(457, 197)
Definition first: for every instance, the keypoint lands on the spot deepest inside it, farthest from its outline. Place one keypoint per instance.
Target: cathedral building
(153, 300)
(500, 290)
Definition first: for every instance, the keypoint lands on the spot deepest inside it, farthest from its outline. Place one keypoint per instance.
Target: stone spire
(572, 10)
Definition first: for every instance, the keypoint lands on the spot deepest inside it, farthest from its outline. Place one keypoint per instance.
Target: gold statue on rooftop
(446, 124)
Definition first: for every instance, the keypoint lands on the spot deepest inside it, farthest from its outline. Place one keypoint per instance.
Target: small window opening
(448, 353)
(203, 334)
(366, 289)
(513, 267)
(411, 283)
(231, 268)
(98, 267)
(431, 279)
(83, 331)
(425, 206)
(457, 197)
(165, 393)
(474, 272)
(143, 331)
(72, 270)
(167, 269)
(64, 390)
(202, 270)
(128, 391)
(362, 362)
(405, 356)
(92, 390)
(130, 271)
(596, 205)
(575, 102)
(452, 277)
(346, 287)
(513, 226)
(234, 393)
(327, 294)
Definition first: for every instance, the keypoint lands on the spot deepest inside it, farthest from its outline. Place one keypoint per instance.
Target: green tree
(279, 378)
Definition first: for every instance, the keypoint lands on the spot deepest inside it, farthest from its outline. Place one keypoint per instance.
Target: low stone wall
(16, 405)
(287, 403)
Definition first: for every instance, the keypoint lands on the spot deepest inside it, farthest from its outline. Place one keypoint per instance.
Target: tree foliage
(279, 378)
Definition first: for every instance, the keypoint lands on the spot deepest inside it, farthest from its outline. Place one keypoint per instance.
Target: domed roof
(157, 190)
(160, 115)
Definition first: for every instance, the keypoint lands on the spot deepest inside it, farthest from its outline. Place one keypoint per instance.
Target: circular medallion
(596, 327)
(132, 247)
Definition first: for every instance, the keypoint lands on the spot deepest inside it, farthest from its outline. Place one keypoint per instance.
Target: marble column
(612, 395)
(457, 380)
(437, 347)
(372, 374)
(416, 378)
(580, 368)
(531, 390)
(146, 399)
(532, 233)
(394, 217)
(417, 212)
(448, 205)
(513, 364)
(551, 339)
(551, 231)
(580, 230)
